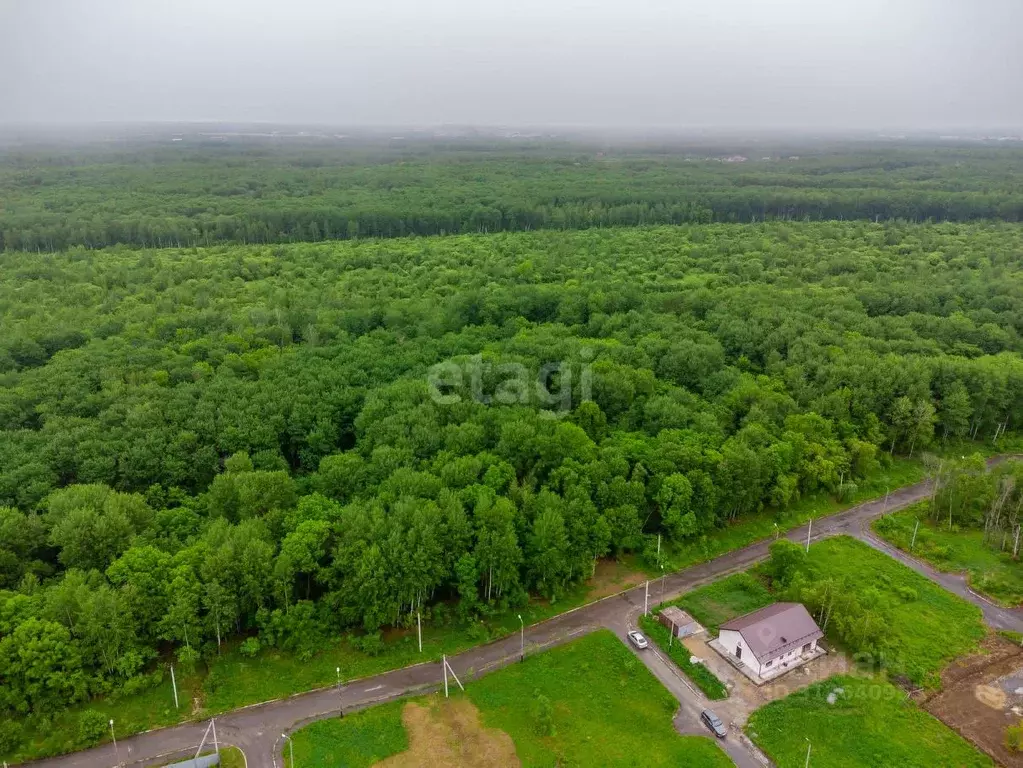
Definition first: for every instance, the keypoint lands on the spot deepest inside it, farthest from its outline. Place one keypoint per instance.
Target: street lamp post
(662, 583)
(117, 754)
(340, 703)
(291, 749)
(522, 639)
(808, 745)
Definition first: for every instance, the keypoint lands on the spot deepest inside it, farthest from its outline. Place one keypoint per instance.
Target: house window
(769, 663)
(806, 648)
(738, 651)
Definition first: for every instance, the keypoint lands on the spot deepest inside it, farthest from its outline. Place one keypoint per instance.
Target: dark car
(713, 722)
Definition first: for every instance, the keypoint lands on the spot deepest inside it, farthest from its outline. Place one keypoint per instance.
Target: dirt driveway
(744, 696)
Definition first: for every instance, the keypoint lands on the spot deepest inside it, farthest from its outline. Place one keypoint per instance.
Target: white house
(772, 640)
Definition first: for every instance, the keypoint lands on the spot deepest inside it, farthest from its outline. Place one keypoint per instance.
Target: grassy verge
(716, 603)
(358, 740)
(870, 723)
(702, 677)
(989, 570)
(766, 524)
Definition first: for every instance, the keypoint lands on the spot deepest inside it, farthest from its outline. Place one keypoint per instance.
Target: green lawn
(871, 724)
(989, 570)
(699, 674)
(358, 740)
(733, 596)
(927, 626)
(606, 709)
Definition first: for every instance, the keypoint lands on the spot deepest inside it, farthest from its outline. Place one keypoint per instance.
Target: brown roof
(677, 616)
(775, 630)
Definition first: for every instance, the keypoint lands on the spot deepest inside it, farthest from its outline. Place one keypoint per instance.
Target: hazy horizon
(647, 65)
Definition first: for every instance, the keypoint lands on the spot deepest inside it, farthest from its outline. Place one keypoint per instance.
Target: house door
(806, 648)
(738, 651)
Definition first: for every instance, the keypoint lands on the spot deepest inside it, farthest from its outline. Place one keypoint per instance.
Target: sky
(883, 65)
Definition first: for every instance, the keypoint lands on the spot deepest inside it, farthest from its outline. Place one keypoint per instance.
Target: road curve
(258, 729)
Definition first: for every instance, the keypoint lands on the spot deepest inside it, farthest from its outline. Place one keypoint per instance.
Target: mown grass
(608, 709)
(871, 724)
(358, 740)
(699, 674)
(989, 570)
(605, 707)
(927, 627)
(716, 603)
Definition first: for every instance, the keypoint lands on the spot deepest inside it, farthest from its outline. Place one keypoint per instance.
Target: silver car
(637, 639)
(713, 722)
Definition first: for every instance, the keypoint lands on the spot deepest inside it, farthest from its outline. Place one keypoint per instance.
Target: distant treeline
(234, 193)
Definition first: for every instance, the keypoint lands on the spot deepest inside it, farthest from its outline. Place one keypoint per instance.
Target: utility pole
(444, 666)
(174, 685)
(646, 597)
(216, 744)
(117, 755)
(915, 529)
(419, 629)
(886, 492)
(809, 528)
(522, 639)
(340, 703)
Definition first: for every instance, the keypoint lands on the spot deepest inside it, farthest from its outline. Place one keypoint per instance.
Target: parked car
(713, 722)
(637, 639)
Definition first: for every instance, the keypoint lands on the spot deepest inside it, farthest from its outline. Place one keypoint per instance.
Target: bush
(250, 647)
(372, 643)
(10, 737)
(543, 715)
(1014, 737)
(92, 726)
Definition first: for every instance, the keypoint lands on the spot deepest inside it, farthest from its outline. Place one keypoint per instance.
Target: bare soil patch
(611, 577)
(446, 732)
(978, 697)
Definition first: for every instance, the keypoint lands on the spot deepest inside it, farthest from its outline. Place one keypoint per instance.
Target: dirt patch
(449, 732)
(610, 577)
(978, 697)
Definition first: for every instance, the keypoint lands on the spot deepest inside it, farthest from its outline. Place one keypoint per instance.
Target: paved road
(257, 730)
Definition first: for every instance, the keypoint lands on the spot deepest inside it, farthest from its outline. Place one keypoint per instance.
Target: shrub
(543, 715)
(1014, 737)
(92, 725)
(10, 736)
(250, 647)
(372, 643)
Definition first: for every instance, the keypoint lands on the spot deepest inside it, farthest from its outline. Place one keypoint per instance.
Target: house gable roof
(775, 630)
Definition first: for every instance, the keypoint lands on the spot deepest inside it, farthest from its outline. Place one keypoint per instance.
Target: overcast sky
(837, 64)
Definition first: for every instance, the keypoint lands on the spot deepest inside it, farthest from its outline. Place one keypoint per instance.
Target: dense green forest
(248, 191)
(291, 441)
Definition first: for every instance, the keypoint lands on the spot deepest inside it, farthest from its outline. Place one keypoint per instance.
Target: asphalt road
(258, 730)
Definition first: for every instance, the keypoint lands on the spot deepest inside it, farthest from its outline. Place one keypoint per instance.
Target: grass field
(357, 741)
(733, 596)
(870, 724)
(699, 674)
(989, 570)
(591, 702)
(927, 626)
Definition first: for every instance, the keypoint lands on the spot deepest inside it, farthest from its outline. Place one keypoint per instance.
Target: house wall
(730, 640)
